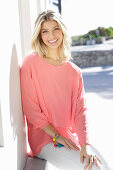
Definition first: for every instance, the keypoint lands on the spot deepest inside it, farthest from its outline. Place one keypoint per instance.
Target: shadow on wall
(16, 115)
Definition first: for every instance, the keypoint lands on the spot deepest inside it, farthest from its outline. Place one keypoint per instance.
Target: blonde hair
(37, 44)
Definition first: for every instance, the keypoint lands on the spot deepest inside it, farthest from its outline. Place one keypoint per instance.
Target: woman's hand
(90, 157)
(67, 143)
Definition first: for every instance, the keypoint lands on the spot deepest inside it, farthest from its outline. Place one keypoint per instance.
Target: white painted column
(25, 26)
(42, 5)
(13, 154)
(27, 16)
(1, 129)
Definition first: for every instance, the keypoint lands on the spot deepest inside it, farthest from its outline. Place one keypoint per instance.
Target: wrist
(56, 136)
(55, 142)
(50, 130)
(85, 144)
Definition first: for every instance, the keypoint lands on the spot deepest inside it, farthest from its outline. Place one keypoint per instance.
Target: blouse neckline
(51, 65)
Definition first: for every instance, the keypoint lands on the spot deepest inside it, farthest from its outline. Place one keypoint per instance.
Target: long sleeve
(30, 101)
(81, 113)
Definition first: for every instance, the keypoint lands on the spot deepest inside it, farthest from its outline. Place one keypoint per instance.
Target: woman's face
(51, 34)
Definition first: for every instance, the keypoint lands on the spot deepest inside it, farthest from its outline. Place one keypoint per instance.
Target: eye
(57, 28)
(44, 31)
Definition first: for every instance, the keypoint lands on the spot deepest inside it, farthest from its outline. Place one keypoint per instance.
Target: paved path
(98, 83)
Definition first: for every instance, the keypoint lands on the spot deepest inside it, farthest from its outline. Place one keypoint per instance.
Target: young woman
(53, 99)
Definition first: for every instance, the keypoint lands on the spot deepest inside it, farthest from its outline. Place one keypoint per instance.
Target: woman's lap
(63, 158)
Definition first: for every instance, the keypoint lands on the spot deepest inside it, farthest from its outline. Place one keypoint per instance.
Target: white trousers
(63, 159)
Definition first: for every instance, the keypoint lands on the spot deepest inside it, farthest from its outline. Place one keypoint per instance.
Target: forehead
(49, 24)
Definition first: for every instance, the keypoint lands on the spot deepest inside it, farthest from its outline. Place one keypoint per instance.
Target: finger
(87, 162)
(71, 145)
(98, 159)
(74, 146)
(95, 161)
(67, 146)
(91, 163)
(81, 157)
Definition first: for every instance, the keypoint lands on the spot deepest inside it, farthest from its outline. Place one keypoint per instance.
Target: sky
(81, 16)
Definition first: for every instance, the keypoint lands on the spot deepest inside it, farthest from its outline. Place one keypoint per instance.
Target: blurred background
(82, 16)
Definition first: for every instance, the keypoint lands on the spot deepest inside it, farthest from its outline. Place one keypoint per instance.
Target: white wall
(1, 129)
(25, 26)
(13, 154)
(15, 37)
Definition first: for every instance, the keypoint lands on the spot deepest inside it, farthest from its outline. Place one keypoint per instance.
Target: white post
(25, 26)
(1, 129)
(42, 5)
(26, 20)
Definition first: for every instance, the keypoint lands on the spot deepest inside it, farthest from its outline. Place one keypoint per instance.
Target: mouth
(53, 41)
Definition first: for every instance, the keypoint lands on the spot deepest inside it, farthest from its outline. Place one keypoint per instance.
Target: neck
(53, 54)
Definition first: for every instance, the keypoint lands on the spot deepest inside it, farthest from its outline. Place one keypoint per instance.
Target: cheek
(44, 38)
(61, 35)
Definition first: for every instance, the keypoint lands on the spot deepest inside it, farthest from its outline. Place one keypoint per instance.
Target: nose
(51, 35)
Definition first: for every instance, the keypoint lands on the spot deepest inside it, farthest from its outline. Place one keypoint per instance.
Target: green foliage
(108, 32)
(99, 37)
(96, 34)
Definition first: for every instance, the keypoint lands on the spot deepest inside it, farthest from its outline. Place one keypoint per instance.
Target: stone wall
(92, 58)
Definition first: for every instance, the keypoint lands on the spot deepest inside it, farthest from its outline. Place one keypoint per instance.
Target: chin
(54, 47)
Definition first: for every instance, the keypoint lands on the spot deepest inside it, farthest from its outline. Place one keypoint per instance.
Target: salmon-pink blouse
(52, 95)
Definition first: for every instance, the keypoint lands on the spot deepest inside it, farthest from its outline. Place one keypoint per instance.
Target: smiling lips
(53, 41)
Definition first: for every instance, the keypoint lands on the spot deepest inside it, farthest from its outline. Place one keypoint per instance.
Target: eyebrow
(47, 29)
(43, 29)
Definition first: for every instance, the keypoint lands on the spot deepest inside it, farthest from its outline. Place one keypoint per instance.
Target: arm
(81, 113)
(62, 140)
(30, 102)
(50, 130)
(82, 128)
